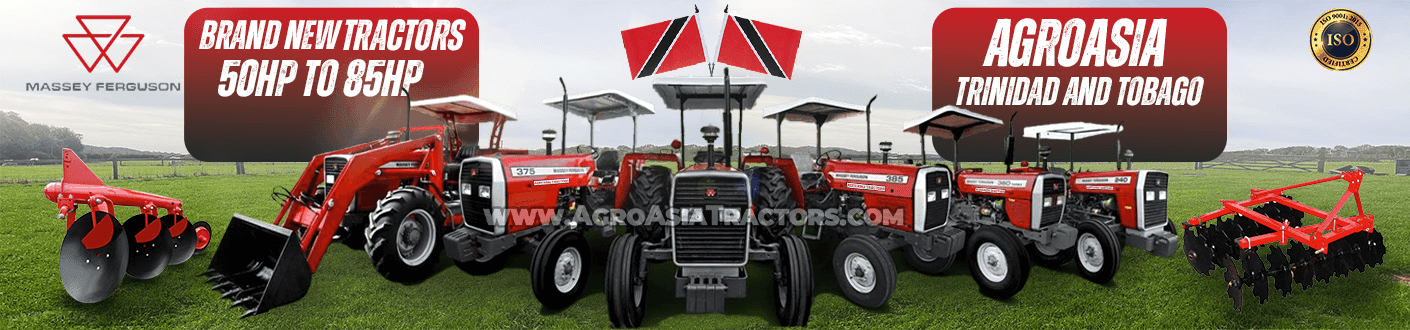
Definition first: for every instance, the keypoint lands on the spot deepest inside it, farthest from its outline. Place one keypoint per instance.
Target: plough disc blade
(92, 274)
(183, 238)
(1301, 262)
(1324, 267)
(1377, 249)
(1254, 275)
(1197, 253)
(149, 244)
(259, 266)
(1231, 279)
(1282, 272)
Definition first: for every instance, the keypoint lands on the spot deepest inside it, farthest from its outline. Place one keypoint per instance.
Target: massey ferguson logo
(103, 42)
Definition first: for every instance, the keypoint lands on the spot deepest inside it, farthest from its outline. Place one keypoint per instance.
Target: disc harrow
(98, 250)
(1231, 237)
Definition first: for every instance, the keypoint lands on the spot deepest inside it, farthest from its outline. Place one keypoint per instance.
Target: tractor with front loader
(97, 251)
(406, 201)
(704, 219)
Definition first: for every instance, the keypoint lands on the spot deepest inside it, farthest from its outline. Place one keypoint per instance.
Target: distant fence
(52, 170)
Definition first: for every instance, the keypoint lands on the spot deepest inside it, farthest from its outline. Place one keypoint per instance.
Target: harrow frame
(1317, 236)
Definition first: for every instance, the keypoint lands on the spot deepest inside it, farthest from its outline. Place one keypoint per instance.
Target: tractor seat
(701, 157)
(810, 180)
(607, 165)
(467, 151)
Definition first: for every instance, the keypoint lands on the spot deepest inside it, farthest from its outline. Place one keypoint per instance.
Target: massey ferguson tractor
(1130, 203)
(704, 220)
(410, 200)
(936, 214)
(97, 251)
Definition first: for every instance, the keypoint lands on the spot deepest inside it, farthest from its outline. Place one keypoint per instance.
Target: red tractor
(936, 214)
(97, 251)
(704, 220)
(409, 200)
(1131, 203)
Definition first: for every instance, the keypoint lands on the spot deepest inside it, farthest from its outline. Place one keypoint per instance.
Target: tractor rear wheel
(626, 282)
(1098, 252)
(929, 266)
(864, 271)
(793, 294)
(402, 239)
(558, 270)
(651, 189)
(999, 266)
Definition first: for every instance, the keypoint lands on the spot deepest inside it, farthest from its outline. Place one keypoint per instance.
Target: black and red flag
(663, 46)
(758, 46)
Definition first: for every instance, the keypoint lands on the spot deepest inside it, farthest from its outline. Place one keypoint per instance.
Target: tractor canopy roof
(1070, 131)
(601, 105)
(814, 110)
(707, 93)
(464, 109)
(952, 122)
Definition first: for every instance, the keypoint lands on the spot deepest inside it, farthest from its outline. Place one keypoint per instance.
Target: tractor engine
(1134, 199)
(1029, 202)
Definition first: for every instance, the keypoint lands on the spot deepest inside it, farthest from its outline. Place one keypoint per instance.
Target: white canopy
(707, 93)
(945, 121)
(1070, 131)
(465, 109)
(603, 104)
(809, 110)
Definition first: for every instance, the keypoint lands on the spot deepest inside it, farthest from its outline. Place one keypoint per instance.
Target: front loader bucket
(259, 266)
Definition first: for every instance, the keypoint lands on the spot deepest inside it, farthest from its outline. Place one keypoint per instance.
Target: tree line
(24, 140)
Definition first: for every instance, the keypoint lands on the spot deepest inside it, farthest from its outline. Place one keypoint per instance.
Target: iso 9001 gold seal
(1340, 39)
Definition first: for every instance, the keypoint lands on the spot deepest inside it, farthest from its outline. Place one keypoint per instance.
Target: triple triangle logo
(103, 42)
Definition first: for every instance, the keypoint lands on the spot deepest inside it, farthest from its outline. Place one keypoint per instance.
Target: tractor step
(259, 266)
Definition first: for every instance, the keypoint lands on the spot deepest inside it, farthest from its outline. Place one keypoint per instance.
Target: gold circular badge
(1340, 39)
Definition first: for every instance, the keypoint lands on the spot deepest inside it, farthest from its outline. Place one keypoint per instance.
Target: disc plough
(97, 250)
(1231, 237)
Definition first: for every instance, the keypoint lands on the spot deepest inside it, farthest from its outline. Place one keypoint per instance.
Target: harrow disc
(149, 246)
(1339, 256)
(1301, 261)
(1280, 270)
(1323, 266)
(1197, 253)
(1377, 249)
(1218, 241)
(183, 238)
(1231, 279)
(92, 274)
(1254, 274)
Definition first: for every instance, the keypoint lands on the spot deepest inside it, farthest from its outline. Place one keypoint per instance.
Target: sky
(851, 50)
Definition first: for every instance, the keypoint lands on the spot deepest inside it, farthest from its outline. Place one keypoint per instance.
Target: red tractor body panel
(1119, 183)
(884, 187)
(534, 181)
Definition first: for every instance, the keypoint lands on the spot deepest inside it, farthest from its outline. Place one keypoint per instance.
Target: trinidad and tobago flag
(663, 46)
(758, 46)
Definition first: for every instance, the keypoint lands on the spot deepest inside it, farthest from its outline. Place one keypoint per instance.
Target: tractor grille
(937, 210)
(1052, 186)
(473, 176)
(711, 241)
(332, 167)
(1157, 183)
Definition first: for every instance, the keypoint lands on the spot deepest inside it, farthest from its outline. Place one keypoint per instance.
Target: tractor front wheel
(1048, 257)
(864, 270)
(626, 282)
(402, 240)
(1000, 266)
(793, 282)
(558, 270)
(1098, 252)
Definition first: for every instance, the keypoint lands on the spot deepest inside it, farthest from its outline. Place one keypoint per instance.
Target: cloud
(847, 35)
(825, 67)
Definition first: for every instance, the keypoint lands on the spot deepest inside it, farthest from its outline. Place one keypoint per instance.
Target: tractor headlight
(1150, 196)
(1048, 202)
(485, 191)
(331, 178)
(930, 196)
(1162, 195)
(1061, 199)
(466, 189)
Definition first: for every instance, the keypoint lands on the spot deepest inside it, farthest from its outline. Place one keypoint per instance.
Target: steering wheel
(591, 150)
(826, 155)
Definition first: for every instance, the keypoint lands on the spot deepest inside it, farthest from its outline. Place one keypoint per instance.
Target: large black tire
(999, 263)
(793, 287)
(403, 238)
(1053, 261)
(1098, 252)
(626, 282)
(865, 272)
(931, 266)
(559, 270)
(774, 195)
(651, 188)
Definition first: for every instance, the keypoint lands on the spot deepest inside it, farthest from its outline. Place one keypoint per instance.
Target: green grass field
(1148, 292)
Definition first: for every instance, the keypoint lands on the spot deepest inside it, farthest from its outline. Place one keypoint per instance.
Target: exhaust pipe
(259, 266)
